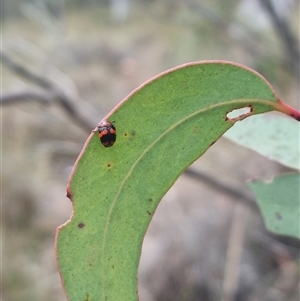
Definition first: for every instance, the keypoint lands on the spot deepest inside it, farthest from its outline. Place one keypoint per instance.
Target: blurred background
(65, 65)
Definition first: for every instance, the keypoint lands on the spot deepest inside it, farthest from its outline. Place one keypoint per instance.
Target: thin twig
(234, 252)
(24, 72)
(231, 191)
(20, 97)
(285, 34)
(217, 20)
(51, 93)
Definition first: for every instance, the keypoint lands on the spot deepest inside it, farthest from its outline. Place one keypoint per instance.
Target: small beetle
(107, 133)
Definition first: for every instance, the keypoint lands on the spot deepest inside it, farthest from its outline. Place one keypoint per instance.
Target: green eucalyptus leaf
(162, 127)
(279, 202)
(273, 135)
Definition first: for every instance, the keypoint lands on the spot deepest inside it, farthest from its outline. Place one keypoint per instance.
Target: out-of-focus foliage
(273, 135)
(279, 200)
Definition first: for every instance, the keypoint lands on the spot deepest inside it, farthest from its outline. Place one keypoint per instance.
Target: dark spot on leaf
(108, 165)
(278, 216)
(150, 200)
(81, 225)
(149, 212)
(125, 134)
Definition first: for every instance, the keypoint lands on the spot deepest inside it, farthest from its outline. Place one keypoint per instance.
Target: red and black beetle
(107, 133)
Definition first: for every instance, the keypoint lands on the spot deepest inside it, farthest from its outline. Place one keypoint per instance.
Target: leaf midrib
(198, 112)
